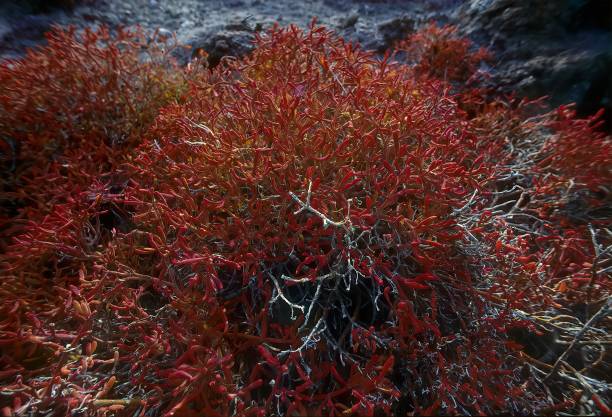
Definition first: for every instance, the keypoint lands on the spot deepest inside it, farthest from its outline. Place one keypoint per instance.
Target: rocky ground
(375, 24)
(559, 48)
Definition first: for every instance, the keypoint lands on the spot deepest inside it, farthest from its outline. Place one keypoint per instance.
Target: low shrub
(310, 230)
(72, 110)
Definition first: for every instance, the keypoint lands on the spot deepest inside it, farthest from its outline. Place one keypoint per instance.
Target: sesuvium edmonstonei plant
(310, 230)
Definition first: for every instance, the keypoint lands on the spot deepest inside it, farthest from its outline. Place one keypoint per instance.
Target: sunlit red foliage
(438, 51)
(311, 230)
(73, 110)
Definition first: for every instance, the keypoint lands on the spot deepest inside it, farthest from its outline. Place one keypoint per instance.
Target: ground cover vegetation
(309, 230)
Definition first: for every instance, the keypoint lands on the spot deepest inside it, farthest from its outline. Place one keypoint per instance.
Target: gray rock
(356, 20)
(559, 48)
(394, 30)
(349, 21)
(233, 39)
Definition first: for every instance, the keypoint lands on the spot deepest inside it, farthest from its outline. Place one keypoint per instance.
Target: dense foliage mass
(311, 230)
